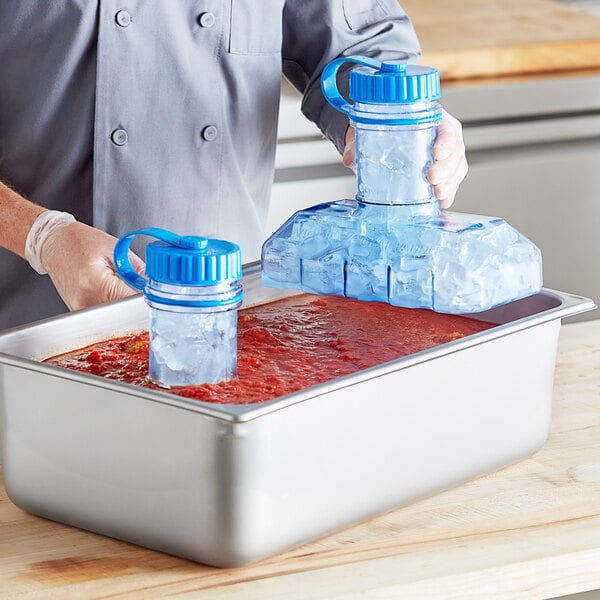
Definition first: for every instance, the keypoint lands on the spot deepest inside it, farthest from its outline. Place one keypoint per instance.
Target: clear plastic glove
(79, 260)
(450, 163)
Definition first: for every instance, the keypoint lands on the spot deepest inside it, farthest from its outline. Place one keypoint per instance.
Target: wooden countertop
(530, 530)
(475, 38)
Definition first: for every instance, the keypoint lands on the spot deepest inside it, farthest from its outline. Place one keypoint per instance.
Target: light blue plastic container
(393, 243)
(193, 292)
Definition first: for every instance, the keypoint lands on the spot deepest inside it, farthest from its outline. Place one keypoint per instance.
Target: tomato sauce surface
(289, 345)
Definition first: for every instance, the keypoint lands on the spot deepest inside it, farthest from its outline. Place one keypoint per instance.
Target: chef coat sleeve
(318, 31)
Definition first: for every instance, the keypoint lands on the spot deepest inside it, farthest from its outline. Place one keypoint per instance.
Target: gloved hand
(450, 164)
(79, 260)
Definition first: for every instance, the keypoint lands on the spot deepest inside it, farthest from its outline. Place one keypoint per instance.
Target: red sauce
(289, 345)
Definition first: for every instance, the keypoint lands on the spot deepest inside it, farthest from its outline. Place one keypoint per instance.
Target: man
(157, 113)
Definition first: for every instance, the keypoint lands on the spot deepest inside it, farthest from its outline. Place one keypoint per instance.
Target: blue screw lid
(394, 83)
(376, 82)
(193, 261)
(180, 260)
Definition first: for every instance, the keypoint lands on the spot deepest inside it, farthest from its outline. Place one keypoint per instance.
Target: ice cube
(324, 275)
(280, 262)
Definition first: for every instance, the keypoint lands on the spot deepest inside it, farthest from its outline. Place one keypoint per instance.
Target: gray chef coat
(163, 113)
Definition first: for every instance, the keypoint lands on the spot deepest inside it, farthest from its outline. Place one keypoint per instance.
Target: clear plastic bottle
(193, 292)
(393, 243)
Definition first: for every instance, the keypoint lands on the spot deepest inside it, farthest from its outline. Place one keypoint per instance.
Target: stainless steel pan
(227, 485)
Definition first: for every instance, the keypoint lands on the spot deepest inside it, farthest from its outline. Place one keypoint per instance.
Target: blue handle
(121, 253)
(329, 79)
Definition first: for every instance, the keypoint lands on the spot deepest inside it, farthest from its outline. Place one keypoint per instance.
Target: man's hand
(79, 260)
(450, 164)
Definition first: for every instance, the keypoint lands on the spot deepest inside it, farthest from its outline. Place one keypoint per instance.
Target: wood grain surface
(474, 38)
(530, 530)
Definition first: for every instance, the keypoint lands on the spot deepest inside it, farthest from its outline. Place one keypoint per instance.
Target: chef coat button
(206, 19)
(119, 137)
(209, 133)
(123, 18)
